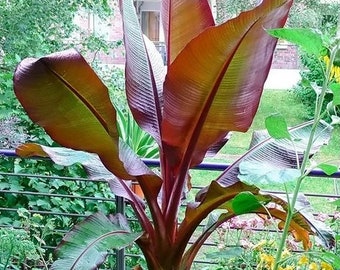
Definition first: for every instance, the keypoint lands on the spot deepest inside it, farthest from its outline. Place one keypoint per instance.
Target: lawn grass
(283, 102)
(272, 101)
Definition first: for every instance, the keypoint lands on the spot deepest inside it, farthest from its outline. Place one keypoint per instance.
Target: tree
(304, 13)
(37, 27)
(314, 14)
(227, 9)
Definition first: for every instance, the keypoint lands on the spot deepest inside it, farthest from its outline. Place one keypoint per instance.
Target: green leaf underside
(306, 39)
(67, 157)
(279, 153)
(88, 243)
(256, 173)
(94, 167)
(275, 161)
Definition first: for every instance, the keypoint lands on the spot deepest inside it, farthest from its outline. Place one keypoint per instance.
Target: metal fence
(113, 204)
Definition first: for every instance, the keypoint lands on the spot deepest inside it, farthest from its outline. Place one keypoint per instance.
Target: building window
(150, 24)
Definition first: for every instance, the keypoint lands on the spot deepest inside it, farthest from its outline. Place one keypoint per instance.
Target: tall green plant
(211, 85)
(316, 47)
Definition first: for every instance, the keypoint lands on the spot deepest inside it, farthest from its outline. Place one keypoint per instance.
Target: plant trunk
(169, 259)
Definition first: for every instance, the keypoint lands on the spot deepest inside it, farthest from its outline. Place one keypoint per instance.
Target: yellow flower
(335, 70)
(303, 260)
(267, 261)
(313, 266)
(326, 266)
(285, 253)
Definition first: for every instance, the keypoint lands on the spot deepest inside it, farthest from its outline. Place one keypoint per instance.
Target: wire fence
(78, 204)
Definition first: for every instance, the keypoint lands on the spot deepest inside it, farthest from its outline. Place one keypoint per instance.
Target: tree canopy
(305, 13)
(37, 27)
(31, 28)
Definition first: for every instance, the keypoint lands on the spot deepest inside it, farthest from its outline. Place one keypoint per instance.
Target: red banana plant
(211, 85)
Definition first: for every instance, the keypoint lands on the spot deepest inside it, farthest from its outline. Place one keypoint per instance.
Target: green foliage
(304, 91)
(277, 127)
(308, 40)
(332, 47)
(314, 14)
(50, 185)
(16, 248)
(139, 141)
(37, 27)
(25, 247)
(227, 9)
(46, 25)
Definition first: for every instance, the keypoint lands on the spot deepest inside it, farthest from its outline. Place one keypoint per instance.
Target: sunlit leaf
(305, 38)
(201, 107)
(183, 21)
(335, 87)
(246, 202)
(336, 202)
(328, 169)
(277, 127)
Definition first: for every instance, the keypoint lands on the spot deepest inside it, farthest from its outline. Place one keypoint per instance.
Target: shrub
(304, 91)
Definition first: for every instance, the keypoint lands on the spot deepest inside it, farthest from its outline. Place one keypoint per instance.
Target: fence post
(120, 254)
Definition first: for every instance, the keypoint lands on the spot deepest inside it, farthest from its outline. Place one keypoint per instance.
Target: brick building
(285, 56)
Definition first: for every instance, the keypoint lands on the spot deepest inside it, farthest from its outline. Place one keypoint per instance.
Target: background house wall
(285, 56)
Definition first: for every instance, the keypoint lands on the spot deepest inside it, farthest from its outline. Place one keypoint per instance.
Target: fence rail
(119, 203)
